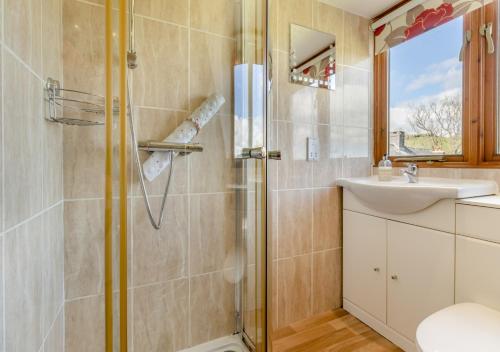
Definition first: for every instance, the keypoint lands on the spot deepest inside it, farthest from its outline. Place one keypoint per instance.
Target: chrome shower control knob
(376, 270)
(394, 277)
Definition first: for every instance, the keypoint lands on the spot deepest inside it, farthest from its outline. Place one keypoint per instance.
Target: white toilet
(464, 327)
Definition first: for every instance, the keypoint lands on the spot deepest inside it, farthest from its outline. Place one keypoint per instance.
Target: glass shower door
(250, 126)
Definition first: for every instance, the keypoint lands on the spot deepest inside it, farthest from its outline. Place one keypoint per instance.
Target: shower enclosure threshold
(224, 344)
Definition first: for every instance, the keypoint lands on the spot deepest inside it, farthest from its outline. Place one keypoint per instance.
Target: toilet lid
(463, 327)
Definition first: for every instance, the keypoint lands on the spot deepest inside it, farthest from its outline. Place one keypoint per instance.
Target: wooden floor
(332, 331)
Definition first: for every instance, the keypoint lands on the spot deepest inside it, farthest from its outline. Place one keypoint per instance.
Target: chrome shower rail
(184, 148)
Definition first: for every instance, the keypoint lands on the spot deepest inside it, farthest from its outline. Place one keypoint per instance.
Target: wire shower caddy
(74, 107)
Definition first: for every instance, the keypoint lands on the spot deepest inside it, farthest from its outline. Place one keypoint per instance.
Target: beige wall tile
(330, 19)
(160, 255)
(53, 163)
(83, 47)
(55, 339)
(84, 247)
(52, 55)
(292, 12)
(53, 265)
(175, 11)
(294, 289)
(215, 16)
(212, 306)
(83, 53)
(23, 30)
(356, 41)
(161, 79)
(294, 170)
(327, 218)
(327, 280)
(84, 325)
(23, 142)
(156, 125)
(295, 102)
(357, 97)
(356, 167)
(213, 170)
(84, 321)
(212, 232)
(52, 63)
(24, 268)
(330, 105)
(294, 223)
(328, 168)
(357, 142)
(211, 63)
(83, 165)
(161, 316)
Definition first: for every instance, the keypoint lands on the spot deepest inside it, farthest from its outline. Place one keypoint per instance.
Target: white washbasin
(400, 197)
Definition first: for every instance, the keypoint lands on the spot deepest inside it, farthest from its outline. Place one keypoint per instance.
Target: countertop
(487, 201)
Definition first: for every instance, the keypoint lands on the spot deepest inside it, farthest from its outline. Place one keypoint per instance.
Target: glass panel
(249, 132)
(496, 32)
(425, 94)
(183, 281)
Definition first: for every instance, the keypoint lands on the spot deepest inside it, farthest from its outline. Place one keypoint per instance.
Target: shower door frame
(263, 251)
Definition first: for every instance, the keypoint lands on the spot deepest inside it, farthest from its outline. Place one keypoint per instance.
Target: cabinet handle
(394, 277)
(376, 270)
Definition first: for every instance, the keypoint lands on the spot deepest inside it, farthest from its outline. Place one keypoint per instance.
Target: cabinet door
(478, 272)
(365, 262)
(420, 275)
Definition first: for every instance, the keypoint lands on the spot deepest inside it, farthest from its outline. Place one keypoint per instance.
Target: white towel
(185, 133)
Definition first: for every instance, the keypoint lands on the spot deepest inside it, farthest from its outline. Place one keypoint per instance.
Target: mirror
(312, 58)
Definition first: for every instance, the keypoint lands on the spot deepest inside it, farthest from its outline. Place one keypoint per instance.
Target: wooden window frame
(479, 101)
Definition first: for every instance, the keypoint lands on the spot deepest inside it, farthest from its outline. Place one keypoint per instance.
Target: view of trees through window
(425, 94)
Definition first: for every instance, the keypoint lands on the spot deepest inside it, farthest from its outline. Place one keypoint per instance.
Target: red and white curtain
(420, 18)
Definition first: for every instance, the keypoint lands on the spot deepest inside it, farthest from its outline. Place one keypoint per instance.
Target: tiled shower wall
(181, 286)
(306, 209)
(31, 195)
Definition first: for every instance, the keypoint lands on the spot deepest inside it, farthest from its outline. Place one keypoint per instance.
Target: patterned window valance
(421, 18)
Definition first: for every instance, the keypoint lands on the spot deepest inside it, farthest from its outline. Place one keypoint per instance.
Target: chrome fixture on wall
(73, 107)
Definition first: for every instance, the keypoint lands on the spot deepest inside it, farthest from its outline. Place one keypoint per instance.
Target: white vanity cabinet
(396, 273)
(420, 269)
(364, 269)
(410, 250)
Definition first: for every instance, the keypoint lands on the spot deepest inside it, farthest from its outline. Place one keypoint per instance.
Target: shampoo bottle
(385, 169)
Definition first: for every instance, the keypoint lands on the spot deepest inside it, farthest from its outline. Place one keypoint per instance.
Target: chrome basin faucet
(411, 173)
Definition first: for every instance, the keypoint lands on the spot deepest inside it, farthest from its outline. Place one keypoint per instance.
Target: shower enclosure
(199, 281)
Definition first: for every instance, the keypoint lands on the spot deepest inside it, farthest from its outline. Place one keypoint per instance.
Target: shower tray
(224, 344)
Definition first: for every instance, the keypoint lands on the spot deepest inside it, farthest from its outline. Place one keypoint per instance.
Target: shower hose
(155, 222)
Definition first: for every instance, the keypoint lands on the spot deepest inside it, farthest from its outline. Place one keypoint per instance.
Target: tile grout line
(186, 27)
(45, 338)
(21, 61)
(69, 200)
(152, 284)
(33, 217)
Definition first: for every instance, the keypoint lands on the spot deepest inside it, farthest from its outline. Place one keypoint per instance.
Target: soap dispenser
(385, 169)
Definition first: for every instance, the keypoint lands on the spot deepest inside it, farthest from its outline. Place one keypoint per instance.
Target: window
(435, 92)
(425, 93)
